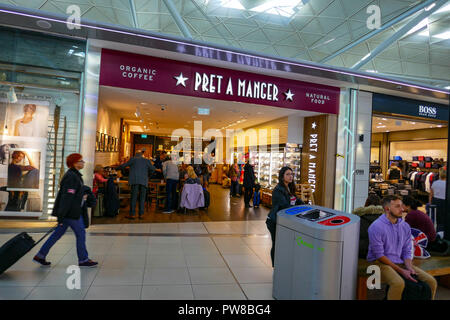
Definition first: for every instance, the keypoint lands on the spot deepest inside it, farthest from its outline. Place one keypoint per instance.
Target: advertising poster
(23, 146)
(23, 169)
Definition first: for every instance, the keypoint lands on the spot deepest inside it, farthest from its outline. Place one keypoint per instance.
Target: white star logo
(181, 80)
(289, 95)
(314, 125)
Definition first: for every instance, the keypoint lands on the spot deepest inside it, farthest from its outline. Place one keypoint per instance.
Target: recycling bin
(316, 254)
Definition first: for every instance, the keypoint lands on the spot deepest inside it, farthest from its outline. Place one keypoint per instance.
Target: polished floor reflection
(222, 208)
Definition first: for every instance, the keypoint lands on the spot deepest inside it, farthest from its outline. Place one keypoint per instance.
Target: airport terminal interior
(223, 149)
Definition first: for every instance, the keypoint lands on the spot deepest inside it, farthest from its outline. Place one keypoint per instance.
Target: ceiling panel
(304, 30)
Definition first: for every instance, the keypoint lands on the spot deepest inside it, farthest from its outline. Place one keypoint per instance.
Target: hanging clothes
(428, 182)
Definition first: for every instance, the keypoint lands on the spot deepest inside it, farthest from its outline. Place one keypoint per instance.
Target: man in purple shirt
(390, 247)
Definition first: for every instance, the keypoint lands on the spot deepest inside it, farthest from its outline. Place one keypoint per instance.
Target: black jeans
(272, 226)
(142, 191)
(441, 214)
(234, 187)
(248, 192)
(171, 190)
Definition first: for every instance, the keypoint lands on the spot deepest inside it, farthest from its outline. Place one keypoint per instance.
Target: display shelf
(292, 159)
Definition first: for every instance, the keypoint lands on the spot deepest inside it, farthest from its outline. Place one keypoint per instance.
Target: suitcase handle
(45, 235)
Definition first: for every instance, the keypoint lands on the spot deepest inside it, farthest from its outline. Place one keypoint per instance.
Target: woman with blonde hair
(192, 177)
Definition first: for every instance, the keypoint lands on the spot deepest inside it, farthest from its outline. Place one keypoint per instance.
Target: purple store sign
(133, 71)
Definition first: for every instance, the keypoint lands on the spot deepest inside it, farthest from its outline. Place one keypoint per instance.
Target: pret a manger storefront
(311, 108)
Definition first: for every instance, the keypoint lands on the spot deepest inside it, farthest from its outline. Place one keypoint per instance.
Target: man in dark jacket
(140, 169)
(249, 183)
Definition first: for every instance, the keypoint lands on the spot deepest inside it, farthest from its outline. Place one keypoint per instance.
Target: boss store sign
(415, 108)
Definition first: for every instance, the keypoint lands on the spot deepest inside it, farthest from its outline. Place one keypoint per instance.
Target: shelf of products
(264, 169)
(292, 159)
(277, 162)
(267, 165)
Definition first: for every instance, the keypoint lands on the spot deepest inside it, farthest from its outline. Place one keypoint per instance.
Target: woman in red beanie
(68, 208)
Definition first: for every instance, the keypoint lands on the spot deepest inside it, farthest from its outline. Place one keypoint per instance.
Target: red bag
(421, 158)
(428, 165)
(414, 164)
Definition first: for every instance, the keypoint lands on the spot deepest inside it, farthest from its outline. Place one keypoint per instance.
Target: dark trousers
(440, 213)
(272, 226)
(234, 187)
(171, 191)
(80, 234)
(248, 192)
(142, 191)
(256, 198)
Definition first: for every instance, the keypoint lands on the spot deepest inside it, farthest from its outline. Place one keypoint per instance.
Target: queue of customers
(250, 187)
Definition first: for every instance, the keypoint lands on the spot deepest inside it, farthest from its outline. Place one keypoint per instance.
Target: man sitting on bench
(390, 248)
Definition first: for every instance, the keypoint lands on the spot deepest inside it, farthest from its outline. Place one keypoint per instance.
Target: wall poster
(23, 146)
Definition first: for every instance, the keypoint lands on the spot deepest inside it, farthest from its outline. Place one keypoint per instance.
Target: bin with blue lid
(316, 254)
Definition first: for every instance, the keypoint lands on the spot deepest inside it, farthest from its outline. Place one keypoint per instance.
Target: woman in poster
(27, 126)
(20, 176)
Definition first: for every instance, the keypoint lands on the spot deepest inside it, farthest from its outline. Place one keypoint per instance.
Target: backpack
(365, 222)
(416, 290)
(394, 174)
(111, 199)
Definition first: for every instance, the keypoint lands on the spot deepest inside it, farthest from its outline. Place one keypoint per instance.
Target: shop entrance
(132, 120)
(406, 155)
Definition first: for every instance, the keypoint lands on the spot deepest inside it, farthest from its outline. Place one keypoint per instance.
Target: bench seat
(435, 266)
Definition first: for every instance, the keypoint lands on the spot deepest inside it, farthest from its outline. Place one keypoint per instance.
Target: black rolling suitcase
(16, 248)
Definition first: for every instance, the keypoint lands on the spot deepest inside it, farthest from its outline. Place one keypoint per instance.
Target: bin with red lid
(316, 254)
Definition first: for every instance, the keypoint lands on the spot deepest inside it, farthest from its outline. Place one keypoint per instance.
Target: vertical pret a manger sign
(313, 156)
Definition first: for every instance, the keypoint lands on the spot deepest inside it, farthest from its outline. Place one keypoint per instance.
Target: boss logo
(429, 111)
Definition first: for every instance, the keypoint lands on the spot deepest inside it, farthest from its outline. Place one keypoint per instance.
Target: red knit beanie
(72, 159)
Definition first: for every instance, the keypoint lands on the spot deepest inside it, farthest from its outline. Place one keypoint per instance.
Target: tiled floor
(195, 260)
(192, 260)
